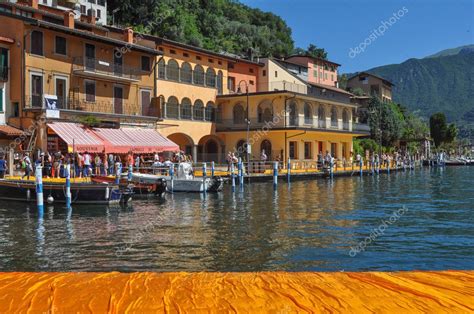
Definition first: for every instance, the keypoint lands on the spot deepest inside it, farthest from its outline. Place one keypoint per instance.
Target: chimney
(69, 19)
(91, 19)
(128, 35)
(30, 3)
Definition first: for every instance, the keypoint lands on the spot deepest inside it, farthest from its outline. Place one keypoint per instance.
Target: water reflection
(310, 225)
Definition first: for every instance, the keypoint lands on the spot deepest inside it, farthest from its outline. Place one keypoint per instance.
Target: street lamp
(247, 119)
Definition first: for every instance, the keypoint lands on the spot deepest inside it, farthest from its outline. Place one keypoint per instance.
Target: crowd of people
(85, 164)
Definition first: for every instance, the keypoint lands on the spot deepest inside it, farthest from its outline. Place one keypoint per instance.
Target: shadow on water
(325, 225)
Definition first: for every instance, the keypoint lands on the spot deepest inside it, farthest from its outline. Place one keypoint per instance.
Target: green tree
(438, 128)
(312, 50)
(451, 133)
(386, 122)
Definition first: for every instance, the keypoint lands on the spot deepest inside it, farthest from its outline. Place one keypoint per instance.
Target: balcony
(100, 69)
(3, 73)
(99, 107)
(256, 124)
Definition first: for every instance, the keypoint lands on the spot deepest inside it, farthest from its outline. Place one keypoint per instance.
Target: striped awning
(115, 140)
(150, 141)
(77, 137)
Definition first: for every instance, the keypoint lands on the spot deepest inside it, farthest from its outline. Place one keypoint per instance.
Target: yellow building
(288, 125)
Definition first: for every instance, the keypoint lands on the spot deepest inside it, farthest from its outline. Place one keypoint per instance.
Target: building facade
(371, 85)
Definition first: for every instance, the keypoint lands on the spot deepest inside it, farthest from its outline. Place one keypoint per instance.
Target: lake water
(419, 220)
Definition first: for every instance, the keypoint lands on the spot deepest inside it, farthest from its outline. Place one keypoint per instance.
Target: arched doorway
(241, 149)
(293, 114)
(211, 148)
(184, 142)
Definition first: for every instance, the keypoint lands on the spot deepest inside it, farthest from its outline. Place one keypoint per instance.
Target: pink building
(320, 71)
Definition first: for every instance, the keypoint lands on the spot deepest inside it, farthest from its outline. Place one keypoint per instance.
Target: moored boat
(140, 187)
(55, 192)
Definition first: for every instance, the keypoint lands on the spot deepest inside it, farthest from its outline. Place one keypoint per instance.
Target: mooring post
(232, 176)
(204, 176)
(241, 172)
(331, 170)
(39, 189)
(118, 173)
(288, 170)
(130, 173)
(68, 186)
(275, 174)
(213, 168)
(361, 165)
(172, 177)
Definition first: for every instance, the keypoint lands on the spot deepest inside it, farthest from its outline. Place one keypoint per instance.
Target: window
(315, 73)
(231, 83)
(60, 47)
(90, 91)
(3, 64)
(101, 2)
(172, 71)
(161, 69)
(145, 63)
(186, 111)
(320, 75)
(251, 82)
(37, 43)
(198, 76)
(210, 77)
(293, 150)
(307, 150)
(251, 70)
(308, 114)
(198, 110)
(185, 54)
(83, 9)
(210, 112)
(186, 73)
(172, 108)
(220, 79)
(198, 58)
(264, 73)
(276, 73)
(332, 77)
(172, 51)
(325, 76)
(238, 114)
(210, 60)
(146, 101)
(98, 14)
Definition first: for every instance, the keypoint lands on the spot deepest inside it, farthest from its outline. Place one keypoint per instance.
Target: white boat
(184, 181)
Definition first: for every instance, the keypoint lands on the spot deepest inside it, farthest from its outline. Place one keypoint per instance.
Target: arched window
(210, 112)
(198, 110)
(321, 117)
(186, 110)
(239, 114)
(172, 70)
(293, 113)
(345, 119)
(265, 112)
(198, 75)
(308, 113)
(162, 69)
(220, 83)
(334, 117)
(267, 147)
(172, 108)
(186, 73)
(210, 77)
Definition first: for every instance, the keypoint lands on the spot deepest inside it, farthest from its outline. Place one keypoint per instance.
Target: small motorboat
(55, 192)
(139, 186)
(184, 181)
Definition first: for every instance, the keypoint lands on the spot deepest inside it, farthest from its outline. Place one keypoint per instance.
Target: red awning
(10, 131)
(150, 141)
(115, 140)
(77, 137)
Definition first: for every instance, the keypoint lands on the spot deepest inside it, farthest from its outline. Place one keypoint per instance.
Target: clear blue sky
(426, 27)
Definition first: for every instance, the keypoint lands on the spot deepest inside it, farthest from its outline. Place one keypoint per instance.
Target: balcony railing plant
(106, 68)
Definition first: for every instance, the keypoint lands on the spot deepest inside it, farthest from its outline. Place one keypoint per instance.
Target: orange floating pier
(275, 292)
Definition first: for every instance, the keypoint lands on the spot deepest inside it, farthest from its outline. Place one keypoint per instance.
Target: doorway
(61, 92)
(118, 99)
(90, 57)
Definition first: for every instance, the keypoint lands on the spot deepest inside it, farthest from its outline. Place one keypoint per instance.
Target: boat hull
(157, 187)
(81, 193)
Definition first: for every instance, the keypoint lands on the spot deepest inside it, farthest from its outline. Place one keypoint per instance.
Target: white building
(97, 8)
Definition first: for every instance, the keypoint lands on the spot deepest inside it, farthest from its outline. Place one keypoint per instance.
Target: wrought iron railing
(107, 107)
(106, 68)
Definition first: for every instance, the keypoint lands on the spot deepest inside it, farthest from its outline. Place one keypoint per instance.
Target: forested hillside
(218, 25)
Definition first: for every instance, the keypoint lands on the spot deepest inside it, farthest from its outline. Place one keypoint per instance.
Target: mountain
(442, 82)
(453, 51)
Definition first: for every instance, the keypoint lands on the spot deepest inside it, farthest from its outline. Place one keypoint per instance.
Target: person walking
(26, 166)
(3, 167)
